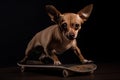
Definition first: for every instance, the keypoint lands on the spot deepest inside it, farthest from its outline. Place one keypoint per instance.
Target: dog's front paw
(57, 62)
(87, 61)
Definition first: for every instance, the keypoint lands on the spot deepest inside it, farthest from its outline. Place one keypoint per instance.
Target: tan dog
(62, 36)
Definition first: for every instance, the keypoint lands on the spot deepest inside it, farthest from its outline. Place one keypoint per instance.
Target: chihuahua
(58, 38)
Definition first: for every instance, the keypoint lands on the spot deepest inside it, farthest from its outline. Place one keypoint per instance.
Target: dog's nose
(72, 36)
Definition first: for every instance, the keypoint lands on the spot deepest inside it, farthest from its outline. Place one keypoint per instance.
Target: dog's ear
(85, 12)
(53, 13)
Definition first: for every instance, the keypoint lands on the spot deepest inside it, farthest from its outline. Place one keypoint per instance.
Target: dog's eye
(77, 26)
(64, 25)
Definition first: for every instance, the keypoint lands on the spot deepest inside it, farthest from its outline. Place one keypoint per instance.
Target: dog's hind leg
(31, 45)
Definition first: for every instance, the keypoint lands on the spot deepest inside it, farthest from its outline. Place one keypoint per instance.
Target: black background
(20, 20)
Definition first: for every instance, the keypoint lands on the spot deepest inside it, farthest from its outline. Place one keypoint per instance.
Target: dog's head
(69, 23)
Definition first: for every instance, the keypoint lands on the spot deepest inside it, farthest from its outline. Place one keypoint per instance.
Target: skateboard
(67, 69)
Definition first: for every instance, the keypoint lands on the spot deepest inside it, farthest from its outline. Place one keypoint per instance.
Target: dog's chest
(60, 47)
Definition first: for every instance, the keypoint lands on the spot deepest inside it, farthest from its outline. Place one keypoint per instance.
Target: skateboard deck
(67, 69)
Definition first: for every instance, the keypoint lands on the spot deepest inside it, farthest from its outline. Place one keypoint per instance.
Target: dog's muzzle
(71, 36)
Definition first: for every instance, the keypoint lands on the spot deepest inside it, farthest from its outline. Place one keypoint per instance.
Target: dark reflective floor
(106, 71)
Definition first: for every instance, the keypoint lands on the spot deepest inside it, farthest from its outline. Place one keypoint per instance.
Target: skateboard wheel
(91, 72)
(22, 69)
(65, 73)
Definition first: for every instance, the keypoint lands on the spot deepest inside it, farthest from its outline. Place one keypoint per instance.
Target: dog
(58, 38)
